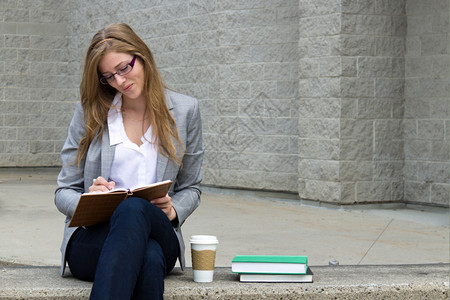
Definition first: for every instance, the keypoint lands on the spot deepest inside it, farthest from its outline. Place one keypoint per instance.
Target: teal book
(269, 264)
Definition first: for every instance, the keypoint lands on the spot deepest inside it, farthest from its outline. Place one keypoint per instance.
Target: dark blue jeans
(128, 257)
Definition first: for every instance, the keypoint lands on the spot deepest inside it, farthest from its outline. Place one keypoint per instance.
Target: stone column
(427, 103)
(351, 101)
(320, 71)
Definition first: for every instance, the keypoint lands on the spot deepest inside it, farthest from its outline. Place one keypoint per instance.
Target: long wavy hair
(96, 98)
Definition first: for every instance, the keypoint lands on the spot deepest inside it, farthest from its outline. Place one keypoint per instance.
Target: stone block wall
(339, 101)
(427, 102)
(239, 58)
(35, 90)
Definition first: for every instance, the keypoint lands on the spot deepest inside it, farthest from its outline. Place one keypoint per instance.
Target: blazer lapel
(162, 160)
(161, 167)
(107, 154)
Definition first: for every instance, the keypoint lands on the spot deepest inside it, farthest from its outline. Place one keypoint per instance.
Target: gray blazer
(185, 191)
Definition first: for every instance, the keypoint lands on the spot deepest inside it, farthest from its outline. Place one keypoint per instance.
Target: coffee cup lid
(203, 239)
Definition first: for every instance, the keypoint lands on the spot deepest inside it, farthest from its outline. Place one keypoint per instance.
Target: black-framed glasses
(122, 71)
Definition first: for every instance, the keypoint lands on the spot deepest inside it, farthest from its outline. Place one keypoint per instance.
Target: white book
(308, 277)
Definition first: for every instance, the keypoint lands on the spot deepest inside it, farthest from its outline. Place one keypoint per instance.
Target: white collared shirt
(133, 165)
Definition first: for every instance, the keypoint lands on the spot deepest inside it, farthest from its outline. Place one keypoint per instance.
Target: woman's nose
(119, 79)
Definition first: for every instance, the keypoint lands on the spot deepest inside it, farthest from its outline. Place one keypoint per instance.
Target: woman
(128, 131)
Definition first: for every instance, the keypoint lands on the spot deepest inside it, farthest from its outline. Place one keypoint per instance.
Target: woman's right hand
(100, 184)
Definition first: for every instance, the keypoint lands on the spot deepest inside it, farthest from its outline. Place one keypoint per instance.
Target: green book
(269, 264)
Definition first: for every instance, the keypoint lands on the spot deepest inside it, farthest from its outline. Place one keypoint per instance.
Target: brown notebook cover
(95, 208)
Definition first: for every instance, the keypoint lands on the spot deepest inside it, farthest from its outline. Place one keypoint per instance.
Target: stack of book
(272, 268)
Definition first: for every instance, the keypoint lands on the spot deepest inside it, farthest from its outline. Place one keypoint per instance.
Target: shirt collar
(117, 134)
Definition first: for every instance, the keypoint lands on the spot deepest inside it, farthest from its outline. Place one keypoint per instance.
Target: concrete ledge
(341, 282)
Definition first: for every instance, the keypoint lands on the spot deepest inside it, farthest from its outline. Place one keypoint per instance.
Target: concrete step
(429, 281)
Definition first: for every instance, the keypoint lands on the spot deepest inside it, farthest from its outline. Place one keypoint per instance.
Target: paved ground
(244, 222)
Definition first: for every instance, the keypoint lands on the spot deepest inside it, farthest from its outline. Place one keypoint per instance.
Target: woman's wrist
(173, 217)
(172, 214)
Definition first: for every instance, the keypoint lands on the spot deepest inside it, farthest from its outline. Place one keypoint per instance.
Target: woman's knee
(137, 205)
(131, 204)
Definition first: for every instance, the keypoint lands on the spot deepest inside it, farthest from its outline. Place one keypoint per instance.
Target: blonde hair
(97, 98)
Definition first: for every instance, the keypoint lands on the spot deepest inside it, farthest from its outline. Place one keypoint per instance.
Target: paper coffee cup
(203, 252)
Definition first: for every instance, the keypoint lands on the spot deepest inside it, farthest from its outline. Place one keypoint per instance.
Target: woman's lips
(128, 87)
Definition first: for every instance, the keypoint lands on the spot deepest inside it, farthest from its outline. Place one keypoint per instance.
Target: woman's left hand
(165, 204)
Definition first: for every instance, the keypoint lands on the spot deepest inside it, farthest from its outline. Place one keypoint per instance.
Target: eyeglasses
(122, 71)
